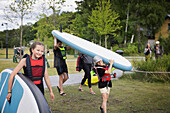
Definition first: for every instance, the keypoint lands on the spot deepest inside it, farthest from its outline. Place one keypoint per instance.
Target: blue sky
(32, 18)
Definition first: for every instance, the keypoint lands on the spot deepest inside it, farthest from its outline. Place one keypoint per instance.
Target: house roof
(167, 16)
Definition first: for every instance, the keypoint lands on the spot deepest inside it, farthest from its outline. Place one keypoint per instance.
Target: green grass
(7, 64)
(125, 97)
(26, 51)
(51, 71)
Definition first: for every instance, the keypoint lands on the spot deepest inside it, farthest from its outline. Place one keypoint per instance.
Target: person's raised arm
(110, 67)
(55, 42)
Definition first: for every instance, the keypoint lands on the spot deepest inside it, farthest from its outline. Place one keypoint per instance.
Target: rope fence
(149, 72)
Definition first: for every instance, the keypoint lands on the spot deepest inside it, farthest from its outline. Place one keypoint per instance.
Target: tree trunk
(139, 37)
(106, 41)
(126, 25)
(132, 38)
(53, 14)
(100, 40)
(21, 36)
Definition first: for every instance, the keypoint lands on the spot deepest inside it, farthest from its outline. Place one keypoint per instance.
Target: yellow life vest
(63, 52)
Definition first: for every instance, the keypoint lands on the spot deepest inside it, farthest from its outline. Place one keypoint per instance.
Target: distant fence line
(149, 72)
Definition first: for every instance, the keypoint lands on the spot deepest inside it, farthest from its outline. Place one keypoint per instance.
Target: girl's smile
(38, 51)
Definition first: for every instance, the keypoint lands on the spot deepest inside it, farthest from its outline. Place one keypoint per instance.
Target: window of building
(168, 26)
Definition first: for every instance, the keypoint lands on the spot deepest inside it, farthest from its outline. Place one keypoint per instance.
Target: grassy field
(125, 97)
(26, 51)
(51, 71)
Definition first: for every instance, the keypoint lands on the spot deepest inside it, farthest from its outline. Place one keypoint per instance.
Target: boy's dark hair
(34, 45)
(58, 41)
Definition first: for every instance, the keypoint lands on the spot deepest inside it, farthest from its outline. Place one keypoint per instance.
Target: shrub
(165, 44)
(161, 65)
(131, 49)
(116, 47)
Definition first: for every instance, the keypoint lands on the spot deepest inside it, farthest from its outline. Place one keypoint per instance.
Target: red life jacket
(35, 69)
(79, 67)
(105, 77)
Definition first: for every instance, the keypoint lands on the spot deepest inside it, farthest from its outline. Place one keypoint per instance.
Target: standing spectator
(48, 52)
(87, 63)
(148, 52)
(60, 64)
(158, 49)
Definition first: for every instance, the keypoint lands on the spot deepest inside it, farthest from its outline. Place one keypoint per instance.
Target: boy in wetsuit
(60, 64)
(104, 83)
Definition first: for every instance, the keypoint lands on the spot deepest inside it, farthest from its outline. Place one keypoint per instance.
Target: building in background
(164, 31)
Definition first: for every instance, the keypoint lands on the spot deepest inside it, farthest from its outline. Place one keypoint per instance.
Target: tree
(20, 8)
(148, 15)
(55, 5)
(104, 20)
(44, 27)
(80, 23)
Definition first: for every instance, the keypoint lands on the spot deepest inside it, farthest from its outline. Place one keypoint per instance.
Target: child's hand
(53, 36)
(8, 97)
(111, 62)
(52, 96)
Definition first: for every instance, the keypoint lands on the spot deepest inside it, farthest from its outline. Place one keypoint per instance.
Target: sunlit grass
(51, 71)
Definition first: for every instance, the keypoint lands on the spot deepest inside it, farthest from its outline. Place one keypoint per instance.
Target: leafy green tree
(20, 8)
(55, 5)
(143, 14)
(1, 45)
(148, 15)
(80, 23)
(44, 28)
(28, 33)
(104, 20)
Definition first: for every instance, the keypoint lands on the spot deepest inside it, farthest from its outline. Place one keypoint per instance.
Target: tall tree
(20, 8)
(81, 21)
(104, 20)
(56, 6)
(44, 27)
(147, 15)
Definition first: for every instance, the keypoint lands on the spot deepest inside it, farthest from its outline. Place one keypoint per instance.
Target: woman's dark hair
(147, 45)
(34, 45)
(58, 41)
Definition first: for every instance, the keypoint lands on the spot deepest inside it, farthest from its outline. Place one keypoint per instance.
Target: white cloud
(36, 11)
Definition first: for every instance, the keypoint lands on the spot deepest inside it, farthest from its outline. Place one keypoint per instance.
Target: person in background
(34, 68)
(48, 52)
(60, 64)
(158, 49)
(87, 63)
(148, 52)
(104, 83)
